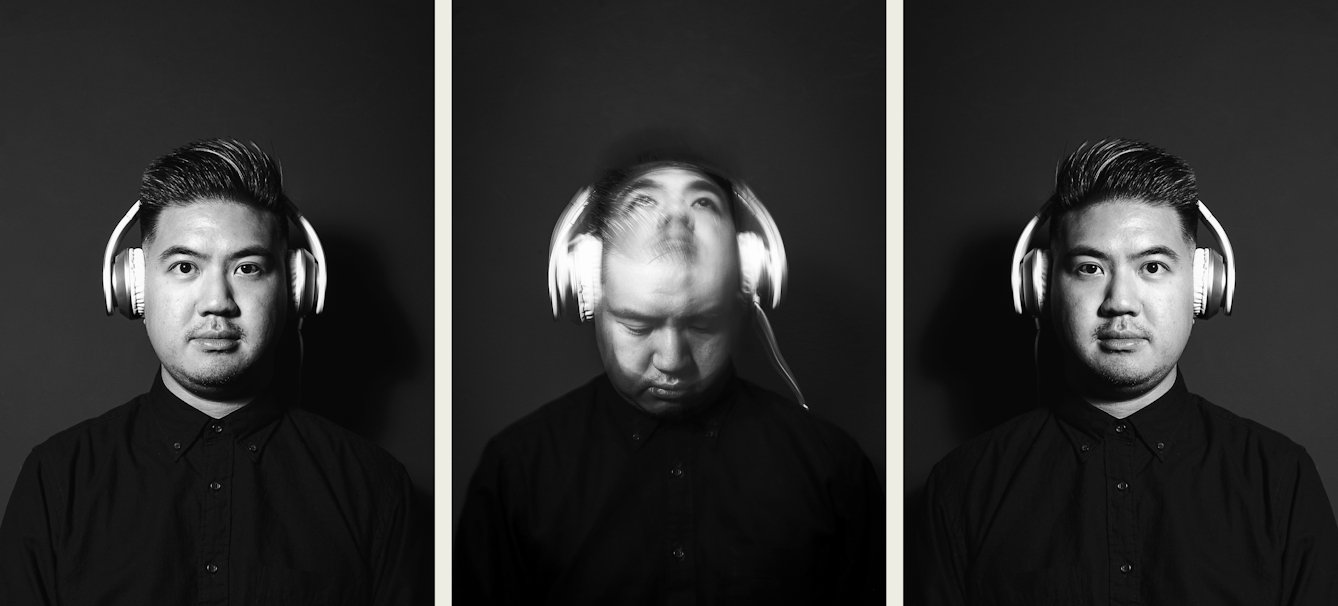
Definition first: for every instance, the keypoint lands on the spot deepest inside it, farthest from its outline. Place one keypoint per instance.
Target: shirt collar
(636, 427)
(176, 426)
(1157, 425)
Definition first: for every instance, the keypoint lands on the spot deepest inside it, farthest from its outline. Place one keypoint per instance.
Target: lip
(1121, 344)
(668, 392)
(216, 344)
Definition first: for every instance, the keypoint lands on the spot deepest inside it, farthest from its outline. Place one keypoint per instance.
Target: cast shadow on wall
(361, 347)
(356, 353)
(980, 351)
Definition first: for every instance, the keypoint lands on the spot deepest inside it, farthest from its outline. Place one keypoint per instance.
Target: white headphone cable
(773, 350)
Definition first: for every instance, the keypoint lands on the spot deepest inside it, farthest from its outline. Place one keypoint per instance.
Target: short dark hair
(212, 169)
(1123, 168)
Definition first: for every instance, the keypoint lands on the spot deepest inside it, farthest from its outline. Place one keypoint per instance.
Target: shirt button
(677, 472)
(215, 485)
(1086, 448)
(1119, 428)
(710, 433)
(679, 554)
(636, 437)
(217, 428)
(252, 448)
(211, 568)
(1126, 568)
(1122, 485)
(1160, 445)
(176, 445)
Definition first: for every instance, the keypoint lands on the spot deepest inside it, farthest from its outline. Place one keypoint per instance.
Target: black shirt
(589, 500)
(1181, 502)
(155, 502)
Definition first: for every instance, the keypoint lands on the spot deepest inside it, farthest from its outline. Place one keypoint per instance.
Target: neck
(216, 408)
(1123, 408)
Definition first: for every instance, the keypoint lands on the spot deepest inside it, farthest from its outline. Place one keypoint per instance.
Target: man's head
(216, 284)
(1122, 246)
(670, 308)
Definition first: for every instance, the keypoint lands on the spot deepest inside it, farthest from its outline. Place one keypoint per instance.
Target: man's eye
(639, 331)
(183, 267)
(704, 202)
(1089, 269)
(248, 269)
(1155, 267)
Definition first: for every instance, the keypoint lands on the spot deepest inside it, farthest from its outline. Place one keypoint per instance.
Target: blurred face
(1122, 296)
(668, 316)
(215, 296)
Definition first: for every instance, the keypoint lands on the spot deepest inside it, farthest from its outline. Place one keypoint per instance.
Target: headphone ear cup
(1209, 282)
(128, 283)
(301, 280)
(586, 257)
(1035, 275)
(752, 263)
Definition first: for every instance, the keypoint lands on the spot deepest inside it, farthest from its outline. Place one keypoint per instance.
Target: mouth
(217, 340)
(668, 392)
(1120, 341)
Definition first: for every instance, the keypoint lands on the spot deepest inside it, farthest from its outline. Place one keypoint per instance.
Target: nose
(1121, 296)
(672, 354)
(216, 296)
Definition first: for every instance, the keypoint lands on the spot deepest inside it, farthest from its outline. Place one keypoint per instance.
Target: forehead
(1121, 223)
(673, 179)
(215, 220)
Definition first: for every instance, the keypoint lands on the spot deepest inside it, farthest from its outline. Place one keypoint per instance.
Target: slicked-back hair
(1125, 169)
(212, 169)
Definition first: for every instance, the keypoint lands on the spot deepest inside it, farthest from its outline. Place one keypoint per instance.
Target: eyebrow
(711, 313)
(1088, 251)
(249, 251)
(694, 185)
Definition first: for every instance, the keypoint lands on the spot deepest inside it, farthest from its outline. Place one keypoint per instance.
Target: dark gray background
(996, 94)
(790, 96)
(340, 92)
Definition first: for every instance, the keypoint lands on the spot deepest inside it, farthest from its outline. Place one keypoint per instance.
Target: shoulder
(561, 416)
(337, 445)
(765, 412)
(1223, 429)
(115, 424)
(995, 449)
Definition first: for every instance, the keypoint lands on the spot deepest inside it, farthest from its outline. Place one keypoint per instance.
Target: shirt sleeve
(940, 559)
(27, 558)
(863, 575)
(1311, 554)
(399, 556)
(488, 563)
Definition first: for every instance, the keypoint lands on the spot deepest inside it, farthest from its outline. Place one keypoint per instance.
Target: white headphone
(123, 273)
(574, 264)
(1214, 279)
(574, 258)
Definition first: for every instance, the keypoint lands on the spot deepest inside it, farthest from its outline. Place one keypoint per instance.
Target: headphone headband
(298, 275)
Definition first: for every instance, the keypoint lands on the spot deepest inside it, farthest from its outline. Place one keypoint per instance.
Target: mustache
(1120, 330)
(217, 331)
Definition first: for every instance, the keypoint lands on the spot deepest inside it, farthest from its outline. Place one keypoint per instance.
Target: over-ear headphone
(1214, 277)
(574, 264)
(574, 258)
(123, 273)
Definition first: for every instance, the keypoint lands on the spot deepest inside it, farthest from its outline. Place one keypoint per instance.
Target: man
(1124, 487)
(212, 488)
(669, 480)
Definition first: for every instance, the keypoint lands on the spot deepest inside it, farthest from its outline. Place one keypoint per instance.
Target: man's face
(669, 313)
(1122, 295)
(215, 295)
